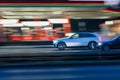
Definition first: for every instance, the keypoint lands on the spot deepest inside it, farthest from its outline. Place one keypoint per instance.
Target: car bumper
(55, 45)
(99, 46)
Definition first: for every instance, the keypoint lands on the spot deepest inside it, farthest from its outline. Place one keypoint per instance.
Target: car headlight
(55, 41)
(99, 44)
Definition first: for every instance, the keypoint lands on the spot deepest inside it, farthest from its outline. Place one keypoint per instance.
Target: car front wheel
(61, 46)
(93, 45)
(106, 48)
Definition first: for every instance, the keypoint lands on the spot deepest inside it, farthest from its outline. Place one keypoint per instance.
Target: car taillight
(100, 39)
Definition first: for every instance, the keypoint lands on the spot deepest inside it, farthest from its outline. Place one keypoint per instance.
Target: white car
(88, 39)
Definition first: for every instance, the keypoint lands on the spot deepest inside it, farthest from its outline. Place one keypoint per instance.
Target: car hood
(61, 39)
(110, 41)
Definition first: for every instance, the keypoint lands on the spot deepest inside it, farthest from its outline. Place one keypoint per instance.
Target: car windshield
(115, 37)
(75, 36)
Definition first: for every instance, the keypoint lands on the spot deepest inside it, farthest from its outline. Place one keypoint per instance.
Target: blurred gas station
(48, 20)
(32, 21)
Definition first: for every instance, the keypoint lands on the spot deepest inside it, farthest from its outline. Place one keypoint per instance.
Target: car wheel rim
(106, 48)
(93, 45)
(61, 46)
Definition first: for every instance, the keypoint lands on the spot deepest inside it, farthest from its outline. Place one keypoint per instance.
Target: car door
(116, 43)
(74, 40)
(87, 38)
(77, 40)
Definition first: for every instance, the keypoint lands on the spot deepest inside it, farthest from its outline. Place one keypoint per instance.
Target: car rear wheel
(106, 48)
(93, 45)
(61, 46)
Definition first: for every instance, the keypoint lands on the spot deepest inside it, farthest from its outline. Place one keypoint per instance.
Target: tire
(61, 46)
(92, 45)
(106, 48)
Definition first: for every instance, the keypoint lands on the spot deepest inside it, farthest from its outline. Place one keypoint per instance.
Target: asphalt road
(48, 49)
(12, 50)
(50, 52)
(36, 63)
(36, 53)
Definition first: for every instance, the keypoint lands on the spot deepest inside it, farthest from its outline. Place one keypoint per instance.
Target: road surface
(36, 63)
(47, 50)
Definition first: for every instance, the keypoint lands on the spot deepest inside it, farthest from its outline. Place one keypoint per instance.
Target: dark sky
(49, 1)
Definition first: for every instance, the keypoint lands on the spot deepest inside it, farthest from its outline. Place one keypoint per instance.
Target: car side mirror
(70, 37)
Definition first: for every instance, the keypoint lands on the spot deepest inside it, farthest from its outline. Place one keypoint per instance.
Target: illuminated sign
(8, 21)
(58, 21)
(37, 23)
(13, 25)
(86, 0)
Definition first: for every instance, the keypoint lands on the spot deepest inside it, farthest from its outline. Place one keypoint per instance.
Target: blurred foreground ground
(47, 63)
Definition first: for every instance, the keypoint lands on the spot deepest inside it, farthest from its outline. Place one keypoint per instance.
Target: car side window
(75, 36)
(86, 35)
